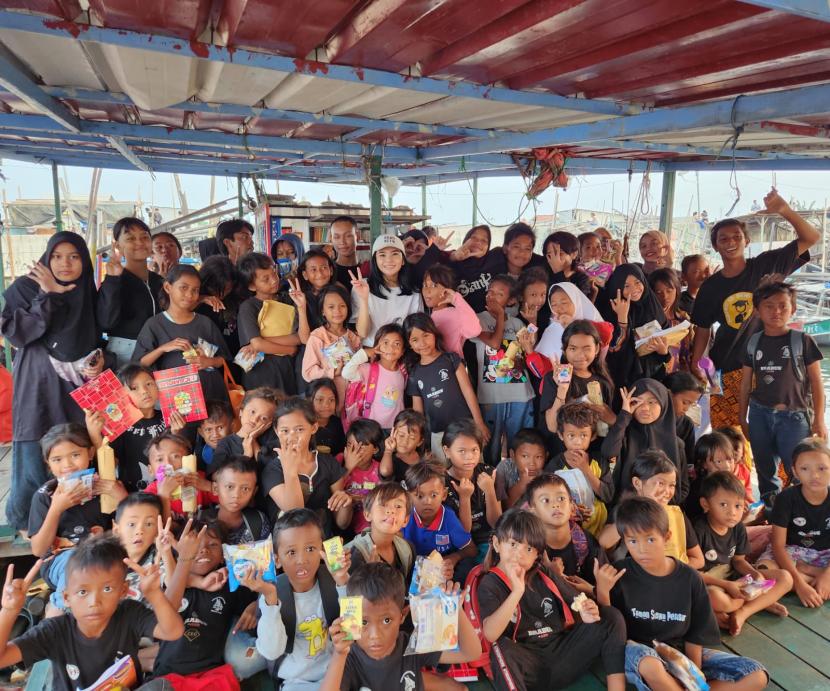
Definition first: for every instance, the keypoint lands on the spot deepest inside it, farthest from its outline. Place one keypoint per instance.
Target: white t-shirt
(394, 308)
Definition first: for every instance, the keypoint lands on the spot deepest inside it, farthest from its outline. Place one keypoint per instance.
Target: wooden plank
(816, 619)
(786, 669)
(797, 638)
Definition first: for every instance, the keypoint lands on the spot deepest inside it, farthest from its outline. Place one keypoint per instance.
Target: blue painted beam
(371, 77)
(637, 145)
(358, 133)
(744, 109)
(90, 95)
(795, 164)
(812, 9)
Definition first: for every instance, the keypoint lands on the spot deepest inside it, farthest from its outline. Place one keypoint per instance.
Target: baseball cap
(384, 241)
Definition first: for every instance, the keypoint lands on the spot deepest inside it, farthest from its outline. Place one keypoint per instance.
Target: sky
(500, 200)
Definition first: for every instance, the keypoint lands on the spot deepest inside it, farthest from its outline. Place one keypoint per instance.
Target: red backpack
(471, 607)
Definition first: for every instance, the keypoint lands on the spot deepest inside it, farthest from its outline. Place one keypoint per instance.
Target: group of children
(502, 409)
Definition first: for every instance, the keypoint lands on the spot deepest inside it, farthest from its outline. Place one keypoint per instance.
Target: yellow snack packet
(351, 617)
(334, 553)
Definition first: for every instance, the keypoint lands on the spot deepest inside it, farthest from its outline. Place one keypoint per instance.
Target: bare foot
(778, 609)
(723, 620)
(736, 623)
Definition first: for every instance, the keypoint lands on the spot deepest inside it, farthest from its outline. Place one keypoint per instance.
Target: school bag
(288, 610)
(473, 611)
(796, 352)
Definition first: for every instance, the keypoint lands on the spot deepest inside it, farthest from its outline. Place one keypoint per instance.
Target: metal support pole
(56, 193)
(423, 202)
(239, 194)
(667, 202)
(375, 197)
(475, 200)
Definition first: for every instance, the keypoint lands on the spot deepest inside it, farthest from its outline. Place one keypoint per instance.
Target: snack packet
(84, 477)
(208, 349)
(753, 588)
(579, 600)
(435, 618)
(334, 553)
(240, 558)
(427, 574)
(351, 617)
(594, 393)
(248, 363)
(562, 374)
(682, 668)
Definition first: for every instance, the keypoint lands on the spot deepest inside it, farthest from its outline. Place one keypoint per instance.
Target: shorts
(717, 665)
(813, 557)
(56, 575)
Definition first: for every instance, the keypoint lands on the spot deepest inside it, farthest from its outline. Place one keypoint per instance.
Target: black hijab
(646, 309)
(72, 332)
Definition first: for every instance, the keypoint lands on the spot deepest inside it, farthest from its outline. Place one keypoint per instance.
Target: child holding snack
(376, 659)
(433, 526)
(569, 549)
(66, 510)
(296, 475)
(213, 429)
(179, 336)
(538, 640)
(329, 437)
(405, 445)
(76, 643)
(364, 444)
(387, 509)
(454, 318)
(297, 610)
(576, 425)
(256, 417)
(527, 459)
(173, 484)
(590, 259)
(331, 345)
(725, 545)
(382, 375)
(664, 600)
(259, 275)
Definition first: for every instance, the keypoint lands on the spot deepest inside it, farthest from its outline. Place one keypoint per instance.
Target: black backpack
(796, 352)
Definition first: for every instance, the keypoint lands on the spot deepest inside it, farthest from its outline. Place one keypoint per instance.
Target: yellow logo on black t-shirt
(737, 308)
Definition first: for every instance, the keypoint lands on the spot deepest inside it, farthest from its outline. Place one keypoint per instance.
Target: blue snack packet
(240, 558)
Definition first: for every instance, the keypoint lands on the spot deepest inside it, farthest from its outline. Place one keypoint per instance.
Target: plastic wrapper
(435, 620)
(338, 353)
(189, 495)
(594, 393)
(334, 553)
(248, 363)
(351, 617)
(427, 575)
(686, 672)
(579, 600)
(581, 491)
(753, 588)
(563, 374)
(208, 349)
(84, 477)
(240, 558)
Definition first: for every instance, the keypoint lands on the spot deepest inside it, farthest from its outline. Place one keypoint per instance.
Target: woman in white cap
(387, 296)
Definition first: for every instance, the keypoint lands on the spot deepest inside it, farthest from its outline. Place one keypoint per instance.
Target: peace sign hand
(189, 542)
(15, 589)
(164, 537)
(296, 293)
(359, 285)
(149, 577)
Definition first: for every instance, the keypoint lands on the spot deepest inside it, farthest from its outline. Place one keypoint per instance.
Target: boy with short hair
(528, 456)
(570, 549)
(213, 429)
(725, 544)
(259, 274)
(377, 661)
(235, 484)
(694, 269)
(95, 588)
(136, 527)
(780, 384)
(387, 508)
(432, 525)
(665, 600)
(297, 610)
(576, 427)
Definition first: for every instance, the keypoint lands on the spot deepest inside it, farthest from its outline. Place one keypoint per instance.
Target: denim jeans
(29, 473)
(773, 434)
(242, 655)
(56, 572)
(504, 419)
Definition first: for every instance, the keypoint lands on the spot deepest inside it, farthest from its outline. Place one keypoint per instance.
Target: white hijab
(550, 345)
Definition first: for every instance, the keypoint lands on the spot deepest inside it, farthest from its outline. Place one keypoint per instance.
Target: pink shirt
(456, 324)
(358, 484)
(316, 363)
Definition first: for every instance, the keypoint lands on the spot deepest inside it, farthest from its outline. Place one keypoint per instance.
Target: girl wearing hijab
(128, 297)
(645, 422)
(49, 317)
(655, 249)
(631, 304)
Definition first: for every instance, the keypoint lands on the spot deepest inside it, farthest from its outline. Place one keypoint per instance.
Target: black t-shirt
(130, 448)
(808, 525)
(481, 529)
(686, 303)
(672, 609)
(78, 661)
(570, 559)
(75, 523)
(276, 371)
(542, 615)
(331, 439)
(474, 275)
(775, 379)
(577, 389)
(719, 549)
(316, 488)
(255, 525)
(207, 620)
(397, 671)
(728, 301)
(439, 390)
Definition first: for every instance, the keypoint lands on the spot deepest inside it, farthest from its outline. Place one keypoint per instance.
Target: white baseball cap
(384, 241)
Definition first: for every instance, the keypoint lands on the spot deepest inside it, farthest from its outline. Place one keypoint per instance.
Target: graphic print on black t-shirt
(720, 549)
(808, 525)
